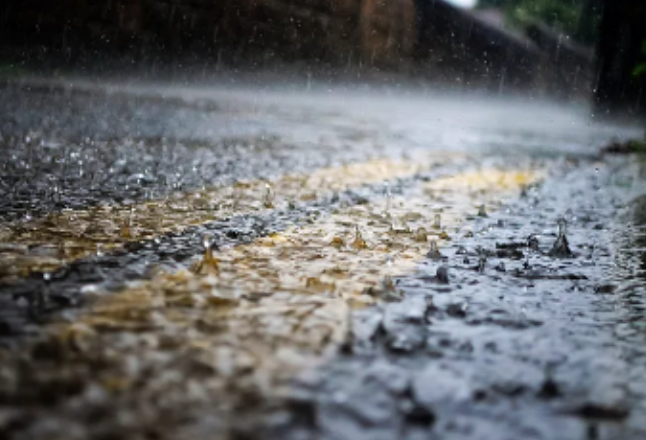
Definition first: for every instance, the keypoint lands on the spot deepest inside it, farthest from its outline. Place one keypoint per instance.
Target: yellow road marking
(280, 304)
(184, 345)
(46, 244)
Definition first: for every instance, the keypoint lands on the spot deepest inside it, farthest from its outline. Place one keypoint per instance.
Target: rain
(323, 219)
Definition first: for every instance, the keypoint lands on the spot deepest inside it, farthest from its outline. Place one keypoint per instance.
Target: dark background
(568, 49)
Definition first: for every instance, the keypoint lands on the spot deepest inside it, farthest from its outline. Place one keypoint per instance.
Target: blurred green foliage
(568, 16)
(640, 69)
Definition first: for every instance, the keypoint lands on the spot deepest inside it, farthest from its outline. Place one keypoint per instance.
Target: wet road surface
(336, 263)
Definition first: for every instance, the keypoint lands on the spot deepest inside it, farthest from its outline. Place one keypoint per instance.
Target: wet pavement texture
(525, 347)
(527, 321)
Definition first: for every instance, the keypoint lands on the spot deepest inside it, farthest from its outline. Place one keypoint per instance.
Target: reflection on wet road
(273, 264)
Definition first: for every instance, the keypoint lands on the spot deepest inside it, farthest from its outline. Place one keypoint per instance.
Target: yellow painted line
(45, 244)
(268, 310)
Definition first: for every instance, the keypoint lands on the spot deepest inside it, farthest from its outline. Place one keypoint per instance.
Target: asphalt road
(313, 261)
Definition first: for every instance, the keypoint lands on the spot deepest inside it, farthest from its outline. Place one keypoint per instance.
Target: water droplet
(532, 242)
(41, 294)
(126, 229)
(434, 253)
(386, 291)
(437, 222)
(208, 265)
(562, 225)
(561, 247)
(206, 243)
(442, 274)
(388, 195)
(268, 201)
(482, 262)
(359, 242)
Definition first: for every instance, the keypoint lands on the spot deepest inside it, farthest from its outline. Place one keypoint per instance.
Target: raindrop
(482, 262)
(386, 291)
(126, 229)
(532, 246)
(532, 242)
(434, 253)
(561, 248)
(442, 275)
(57, 191)
(437, 222)
(207, 243)
(208, 265)
(359, 242)
(268, 201)
(42, 293)
(388, 195)
(126, 226)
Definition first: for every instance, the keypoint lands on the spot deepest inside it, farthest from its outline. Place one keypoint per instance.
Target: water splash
(437, 222)
(434, 253)
(482, 263)
(442, 275)
(127, 225)
(359, 243)
(532, 243)
(208, 265)
(386, 291)
(126, 229)
(561, 247)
